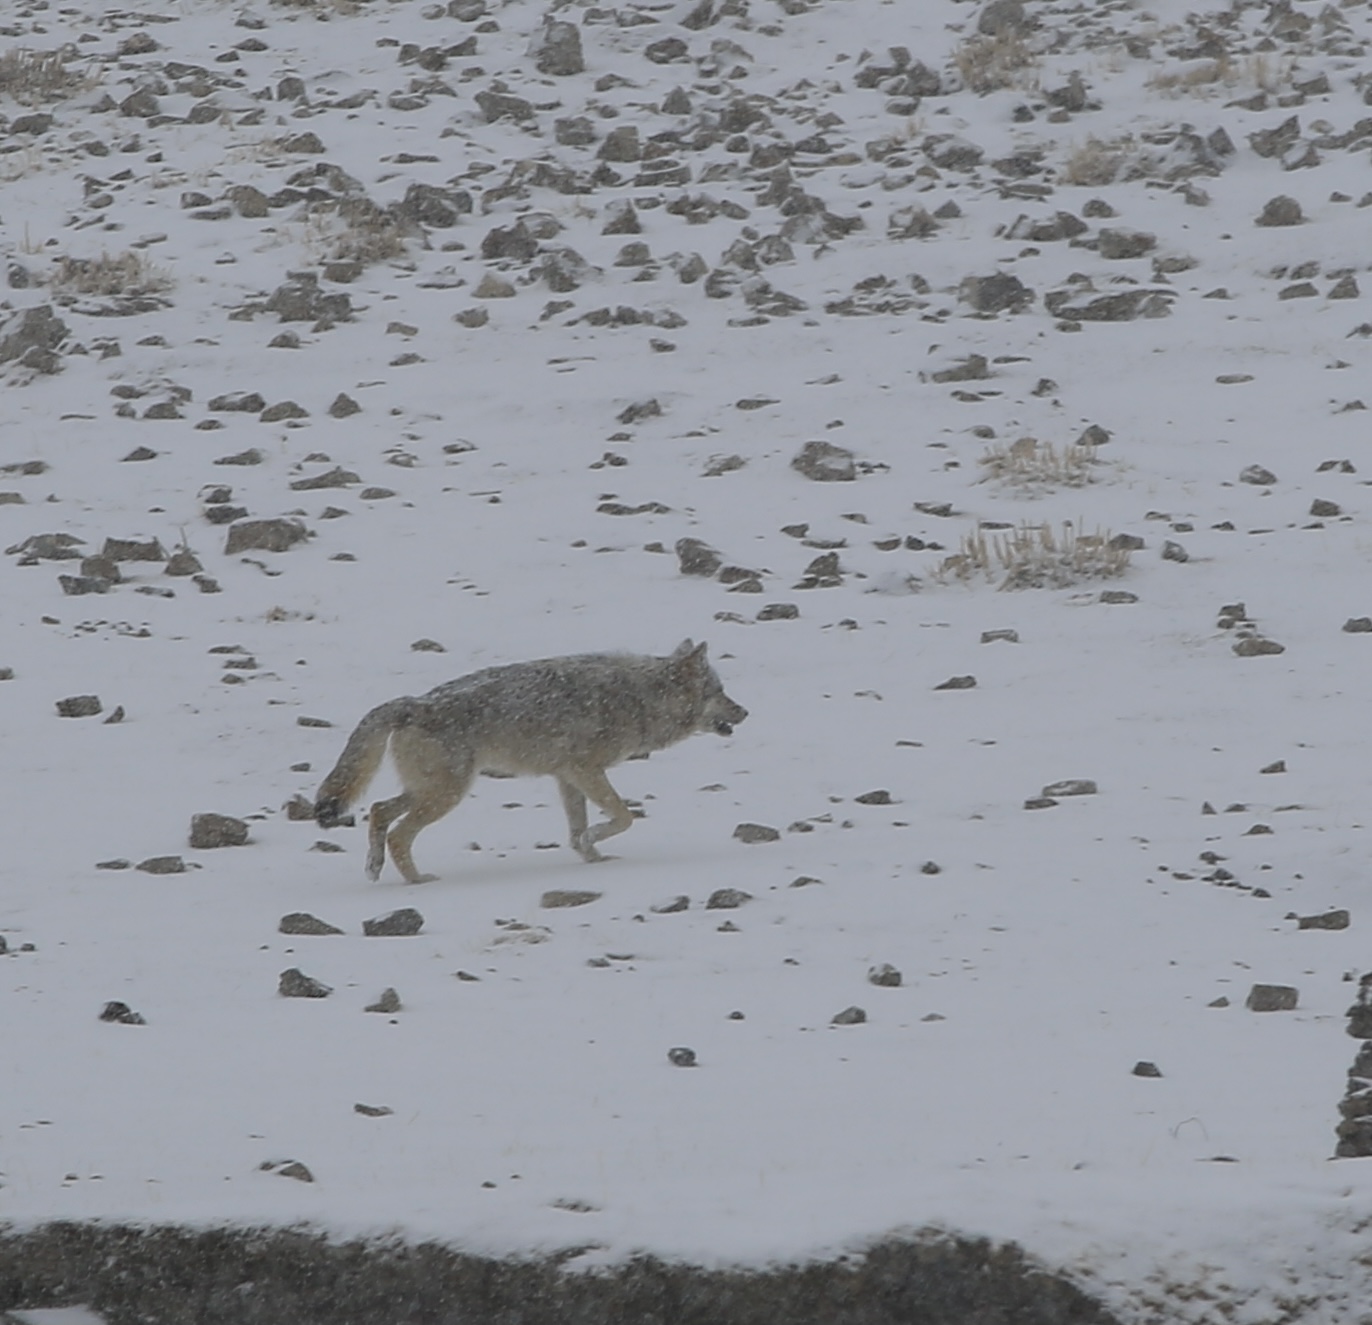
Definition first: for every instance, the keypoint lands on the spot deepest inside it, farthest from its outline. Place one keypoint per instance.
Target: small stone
(885, 975)
(671, 906)
(1122, 244)
(696, 557)
(1220, 1002)
(853, 1016)
(295, 1169)
(343, 406)
(727, 899)
(878, 797)
(296, 984)
(1280, 211)
(825, 463)
(1338, 919)
(1143, 1068)
(1256, 647)
(752, 833)
(1000, 636)
(402, 923)
(1117, 596)
(388, 1002)
(1257, 475)
(1071, 787)
(302, 922)
(681, 1057)
(275, 535)
(373, 1110)
(162, 865)
(1279, 766)
(779, 612)
(209, 831)
(565, 897)
(122, 1014)
(118, 863)
(1173, 551)
(1358, 625)
(79, 706)
(958, 683)
(1325, 510)
(1271, 998)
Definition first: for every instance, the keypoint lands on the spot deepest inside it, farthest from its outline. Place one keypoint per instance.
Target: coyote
(570, 718)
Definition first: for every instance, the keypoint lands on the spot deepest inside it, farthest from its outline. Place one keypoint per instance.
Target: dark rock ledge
(169, 1275)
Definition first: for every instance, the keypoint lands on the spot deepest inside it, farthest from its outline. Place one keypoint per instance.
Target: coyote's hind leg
(383, 814)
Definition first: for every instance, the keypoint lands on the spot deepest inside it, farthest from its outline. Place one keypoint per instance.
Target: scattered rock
(1280, 211)
(730, 899)
(209, 831)
(853, 1016)
(162, 865)
(275, 535)
(697, 557)
(825, 463)
(885, 975)
(958, 683)
(565, 897)
(681, 1057)
(1338, 919)
(1257, 475)
(302, 922)
(388, 1002)
(1143, 1068)
(122, 1014)
(294, 983)
(402, 923)
(79, 706)
(1271, 998)
(1255, 646)
(1071, 787)
(373, 1110)
(751, 833)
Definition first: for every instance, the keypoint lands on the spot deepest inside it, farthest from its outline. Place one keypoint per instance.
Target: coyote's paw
(423, 878)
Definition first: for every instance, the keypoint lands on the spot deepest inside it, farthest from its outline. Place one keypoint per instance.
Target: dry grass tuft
(33, 78)
(1036, 466)
(110, 274)
(1034, 557)
(989, 63)
(1097, 162)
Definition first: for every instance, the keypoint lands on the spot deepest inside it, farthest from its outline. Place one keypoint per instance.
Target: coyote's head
(717, 712)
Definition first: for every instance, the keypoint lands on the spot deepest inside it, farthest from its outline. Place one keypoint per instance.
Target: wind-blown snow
(1043, 952)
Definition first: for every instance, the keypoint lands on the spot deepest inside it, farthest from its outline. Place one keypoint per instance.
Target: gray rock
(753, 833)
(958, 683)
(1118, 244)
(275, 535)
(294, 983)
(394, 924)
(885, 976)
(209, 831)
(1254, 646)
(672, 905)
(1280, 211)
(1325, 510)
(302, 922)
(556, 49)
(79, 706)
(1003, 18)
(1173, 551)
(556, 898)
(1358, 625)
(1338, 919)
(1122, 306)
(879, 797)
(501, 105)
(122, 1014)
(681, 1056)
(670, 50)
(998, 293)
(853, 1016)
(696, 557)
(825, 463)
(388, 1002)
(1271, 998)
(1257, 475)
(972, 368)
(1071, 787)
(162, 865)
(373, 1110)
(31, 334)
(433, 207)
(730, 899)
(1143, 1068)
(779, 612)
(621, 145)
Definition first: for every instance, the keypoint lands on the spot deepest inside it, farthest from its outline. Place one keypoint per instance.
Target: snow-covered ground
(1044, 952)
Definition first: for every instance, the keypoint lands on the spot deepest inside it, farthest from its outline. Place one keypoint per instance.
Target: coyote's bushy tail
(358, 763)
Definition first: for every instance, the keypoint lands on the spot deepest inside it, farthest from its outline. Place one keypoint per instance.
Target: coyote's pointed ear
(689, 654)
(683, 650)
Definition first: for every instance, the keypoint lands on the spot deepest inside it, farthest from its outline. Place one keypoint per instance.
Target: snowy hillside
(1011, 358)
